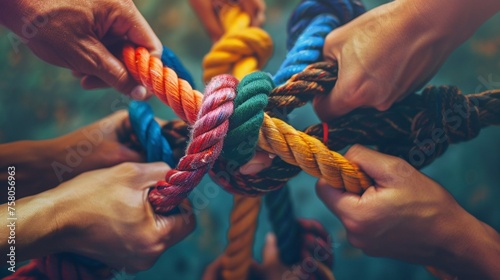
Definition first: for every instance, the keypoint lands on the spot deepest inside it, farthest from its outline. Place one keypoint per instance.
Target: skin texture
(42, 165)
(117, 227)
(207, 13)
(83, 37)
(406, 215)
(394, 49)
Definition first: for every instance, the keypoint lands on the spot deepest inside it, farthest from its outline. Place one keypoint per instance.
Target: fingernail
(138, 93)
(272, 156)
(270, 237)
(252, 168)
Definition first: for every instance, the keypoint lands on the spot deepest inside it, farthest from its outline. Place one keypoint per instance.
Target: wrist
(32, 162)
(37, 227)
(472, 251)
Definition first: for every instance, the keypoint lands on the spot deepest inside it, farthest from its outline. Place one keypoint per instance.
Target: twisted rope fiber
(406, 128)
(156, 148)
(289, 231)
(233, 257)
(287, 224)
(241, 50)
(308, 10)
(309, 153)
(307, 50)
(204, 148)
(246, 120)
(397, 131)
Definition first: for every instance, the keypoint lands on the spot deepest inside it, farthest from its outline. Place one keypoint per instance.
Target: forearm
(32, 163)
(455, 20)
(475, 255)
(31, 228)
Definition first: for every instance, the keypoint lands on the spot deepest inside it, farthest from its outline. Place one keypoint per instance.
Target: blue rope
(307, 49)
(306, 11)
(308, 27)
(169, 58)
(148, 132)
(144, 125)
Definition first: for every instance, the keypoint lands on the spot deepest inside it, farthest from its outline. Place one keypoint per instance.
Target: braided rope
(184, 101)
(307, 49)
(241, 51)
(204, 148)
(147, 132)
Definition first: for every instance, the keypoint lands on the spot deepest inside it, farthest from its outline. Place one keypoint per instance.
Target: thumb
(139, 32)
(337, 102)
(113, 72)
(175, 227)
(261, 160)
(270, 254)
(380, 167)
(334, 104)
(338, 201)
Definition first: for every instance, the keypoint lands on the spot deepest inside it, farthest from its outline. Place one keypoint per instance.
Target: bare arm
(405, 215)
(394, 49)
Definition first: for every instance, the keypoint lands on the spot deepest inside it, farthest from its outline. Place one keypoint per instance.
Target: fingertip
(139, 93)
(323, 189)
(337, 200)
(259, 162)
(157, 48)
(270, 252)
(270, 238)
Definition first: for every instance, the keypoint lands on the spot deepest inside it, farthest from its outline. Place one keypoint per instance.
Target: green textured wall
(39, 101)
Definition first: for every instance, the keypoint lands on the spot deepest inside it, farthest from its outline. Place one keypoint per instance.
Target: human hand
(382, 56)
(408, 216)
(105, 215)
(45, 164)
(207, 12)
(81, 35)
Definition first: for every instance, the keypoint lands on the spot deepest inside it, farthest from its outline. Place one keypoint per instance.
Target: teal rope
(245, 123)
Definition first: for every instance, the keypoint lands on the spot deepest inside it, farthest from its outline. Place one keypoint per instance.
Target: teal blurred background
(39, 101)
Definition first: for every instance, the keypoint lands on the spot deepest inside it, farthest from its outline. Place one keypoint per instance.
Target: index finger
(137, 30)
(206, 13)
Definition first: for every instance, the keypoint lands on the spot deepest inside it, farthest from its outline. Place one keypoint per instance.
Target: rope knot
(242, 49)
(450, 117)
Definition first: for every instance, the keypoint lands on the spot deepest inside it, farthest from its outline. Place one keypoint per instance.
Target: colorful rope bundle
(155, 142)
(221, 118)
(241, 51)
(276, 136)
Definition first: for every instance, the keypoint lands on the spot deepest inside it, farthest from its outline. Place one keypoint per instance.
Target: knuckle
(395, 164)
(120, 79)
(358, 97)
